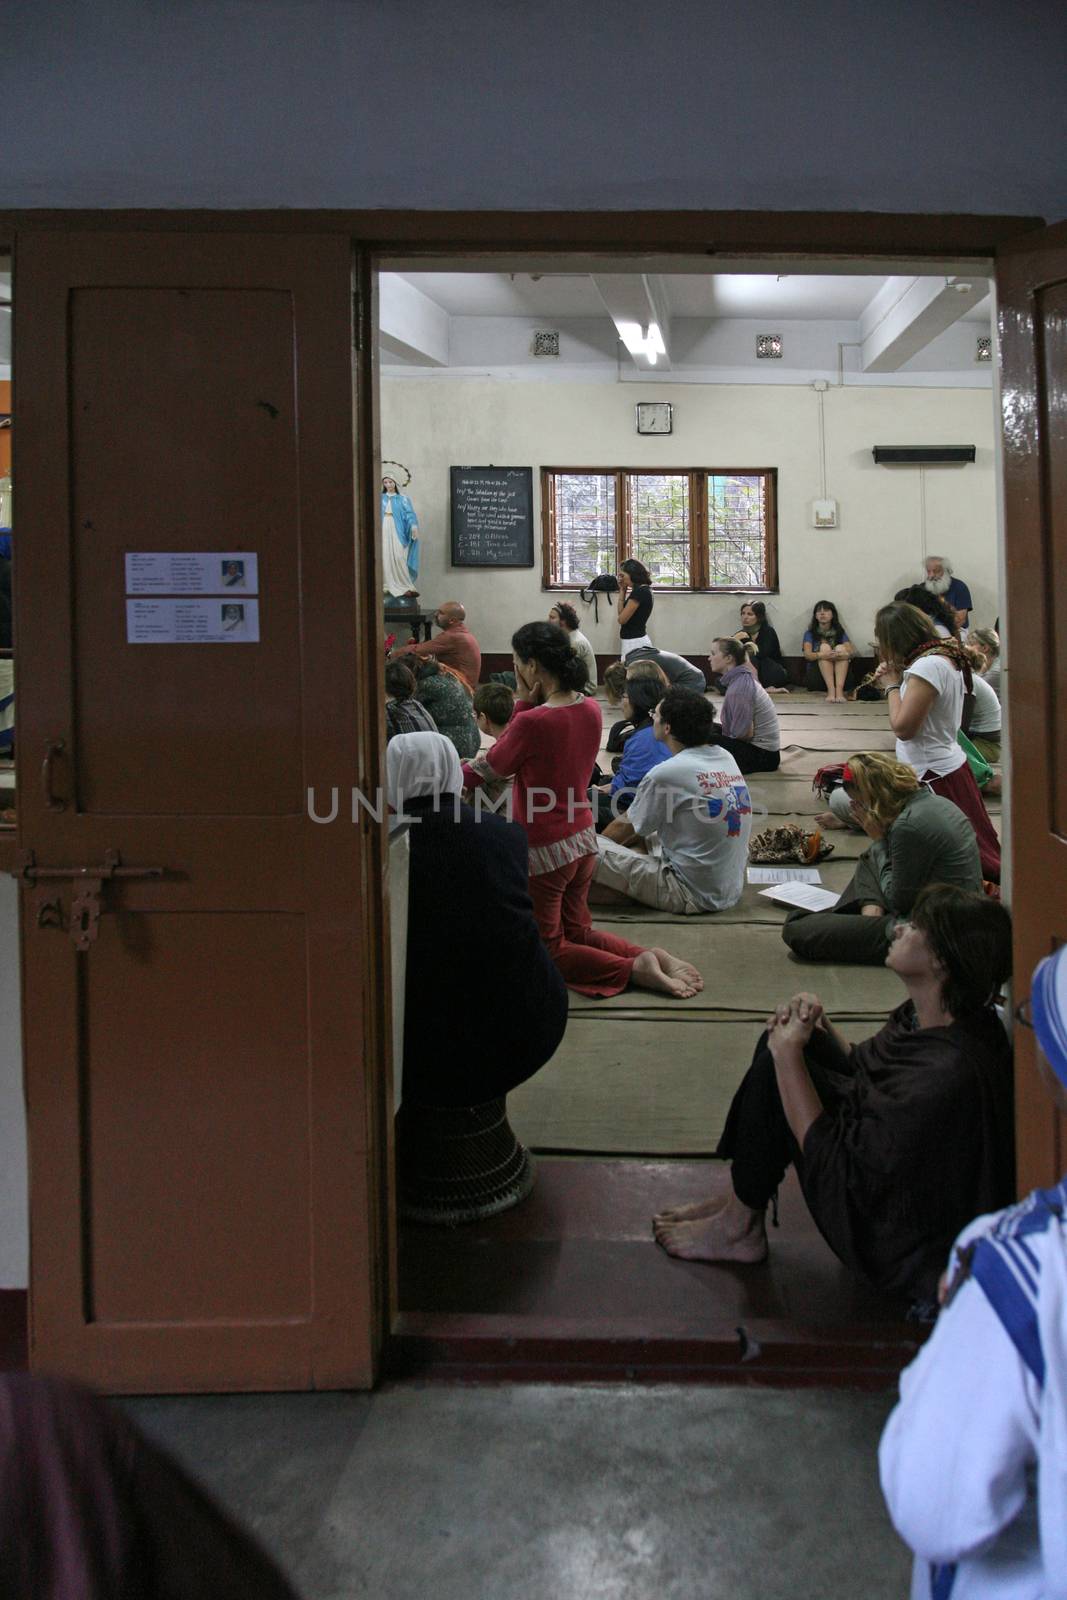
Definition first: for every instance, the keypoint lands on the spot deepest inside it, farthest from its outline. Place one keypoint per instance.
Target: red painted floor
(572, 1283)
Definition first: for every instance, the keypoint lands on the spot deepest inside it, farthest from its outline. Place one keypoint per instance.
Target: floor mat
(748, 968)
(613, 1087)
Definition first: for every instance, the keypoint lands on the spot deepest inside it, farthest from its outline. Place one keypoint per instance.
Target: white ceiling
(789, 298)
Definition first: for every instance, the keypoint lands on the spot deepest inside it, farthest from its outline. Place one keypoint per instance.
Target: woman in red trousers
(550, 747)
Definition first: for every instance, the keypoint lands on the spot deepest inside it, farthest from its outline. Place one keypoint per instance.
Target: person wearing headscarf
(973, 1459)
(90, 1509)
(484, 1004)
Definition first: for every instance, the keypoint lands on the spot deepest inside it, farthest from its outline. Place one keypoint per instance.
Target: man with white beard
(939, 580)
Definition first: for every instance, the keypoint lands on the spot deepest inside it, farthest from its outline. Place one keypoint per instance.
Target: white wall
(14, 1249)
(825, 105)
(432, 425)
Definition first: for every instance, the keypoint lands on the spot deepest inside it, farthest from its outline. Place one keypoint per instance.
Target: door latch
(85, 906)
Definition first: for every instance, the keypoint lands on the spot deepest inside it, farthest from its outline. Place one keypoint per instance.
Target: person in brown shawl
(898, 1141)
(91, 1510)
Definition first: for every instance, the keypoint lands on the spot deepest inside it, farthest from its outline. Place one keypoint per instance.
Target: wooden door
(1032, 290)
(202, 1076)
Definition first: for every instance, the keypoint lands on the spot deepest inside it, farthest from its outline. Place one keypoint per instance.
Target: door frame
(383, 235)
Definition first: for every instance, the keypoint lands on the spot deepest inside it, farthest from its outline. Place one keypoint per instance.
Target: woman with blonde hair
(926, 679)
(917, 837)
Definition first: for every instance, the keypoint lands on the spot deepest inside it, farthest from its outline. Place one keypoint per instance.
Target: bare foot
(733, 1234)
(689, 1213)
(648, 974)
(827, 819)
(675, 967)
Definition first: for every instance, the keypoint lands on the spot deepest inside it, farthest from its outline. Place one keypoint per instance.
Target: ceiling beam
(411, 325)
(907, 314)
(637, 304)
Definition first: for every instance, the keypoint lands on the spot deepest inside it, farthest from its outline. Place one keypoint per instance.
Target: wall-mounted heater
(923, 455)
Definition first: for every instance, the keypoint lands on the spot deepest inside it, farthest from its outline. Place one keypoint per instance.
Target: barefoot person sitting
(897, 1141)
(683, 845)
(550, 747)
(828, 651)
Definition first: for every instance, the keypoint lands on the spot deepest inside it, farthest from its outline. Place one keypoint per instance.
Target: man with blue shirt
(940, 581)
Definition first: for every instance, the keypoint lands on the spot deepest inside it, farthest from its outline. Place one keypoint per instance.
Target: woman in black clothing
(485, 1004)
(770, 668)
(634, 606)
(898, 1141)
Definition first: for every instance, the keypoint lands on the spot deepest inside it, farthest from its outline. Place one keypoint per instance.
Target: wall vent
(923, 455)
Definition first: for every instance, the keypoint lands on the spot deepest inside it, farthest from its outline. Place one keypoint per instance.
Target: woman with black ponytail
(550, 748)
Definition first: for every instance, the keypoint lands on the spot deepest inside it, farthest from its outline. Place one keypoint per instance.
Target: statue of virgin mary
(400, 542)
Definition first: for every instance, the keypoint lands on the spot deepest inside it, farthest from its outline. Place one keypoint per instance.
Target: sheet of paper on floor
(805, 895)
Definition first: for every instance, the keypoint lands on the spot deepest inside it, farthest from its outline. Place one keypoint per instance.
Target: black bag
(603, 583)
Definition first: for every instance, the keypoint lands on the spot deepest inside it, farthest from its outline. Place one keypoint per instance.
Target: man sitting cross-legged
(693, 816)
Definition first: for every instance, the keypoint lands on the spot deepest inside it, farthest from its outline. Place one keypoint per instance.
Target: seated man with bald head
(454, 646)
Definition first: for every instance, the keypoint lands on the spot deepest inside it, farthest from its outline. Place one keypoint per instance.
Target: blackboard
(492, 517)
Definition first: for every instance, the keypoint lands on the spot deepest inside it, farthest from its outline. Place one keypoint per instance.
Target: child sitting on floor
(493, 705)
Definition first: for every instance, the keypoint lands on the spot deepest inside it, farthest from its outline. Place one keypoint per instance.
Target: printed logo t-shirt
(698, 804)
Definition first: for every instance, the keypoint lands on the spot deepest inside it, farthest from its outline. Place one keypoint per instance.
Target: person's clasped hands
(792, 1022)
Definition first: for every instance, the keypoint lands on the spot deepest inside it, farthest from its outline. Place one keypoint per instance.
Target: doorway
(777, 385)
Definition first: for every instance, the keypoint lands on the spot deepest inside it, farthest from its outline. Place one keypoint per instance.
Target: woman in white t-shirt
(925, 679)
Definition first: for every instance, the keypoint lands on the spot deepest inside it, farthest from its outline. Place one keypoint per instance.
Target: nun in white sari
(974, 1457)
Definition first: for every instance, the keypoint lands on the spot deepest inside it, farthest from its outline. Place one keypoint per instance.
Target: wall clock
(654, 416)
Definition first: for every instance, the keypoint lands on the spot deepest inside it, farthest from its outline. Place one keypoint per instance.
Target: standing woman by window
(827, 651)
(755, 629)
(634, 606)
(925, 679)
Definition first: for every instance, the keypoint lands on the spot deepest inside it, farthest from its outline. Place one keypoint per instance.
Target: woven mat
(747, 968)
(658, 1088)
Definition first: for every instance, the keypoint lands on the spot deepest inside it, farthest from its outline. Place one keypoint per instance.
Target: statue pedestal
(406, 613)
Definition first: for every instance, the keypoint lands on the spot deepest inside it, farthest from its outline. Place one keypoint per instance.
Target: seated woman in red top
(550, 747)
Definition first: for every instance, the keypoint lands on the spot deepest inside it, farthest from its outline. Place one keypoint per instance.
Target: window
(694, 529)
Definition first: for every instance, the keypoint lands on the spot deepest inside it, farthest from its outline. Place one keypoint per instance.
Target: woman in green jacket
(448, 700)
(917, 838)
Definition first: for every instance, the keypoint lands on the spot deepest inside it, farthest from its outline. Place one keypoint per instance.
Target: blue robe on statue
(404, 521)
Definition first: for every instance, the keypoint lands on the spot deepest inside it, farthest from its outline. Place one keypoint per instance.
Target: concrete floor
(428, 1492)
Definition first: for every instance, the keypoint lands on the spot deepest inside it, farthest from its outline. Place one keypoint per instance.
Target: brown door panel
(199, 1073)
(1032, 295)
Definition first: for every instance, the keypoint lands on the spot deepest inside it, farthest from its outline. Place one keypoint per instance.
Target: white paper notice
(784, 875)
(805, 895)
(192, 621)
(189, 572)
